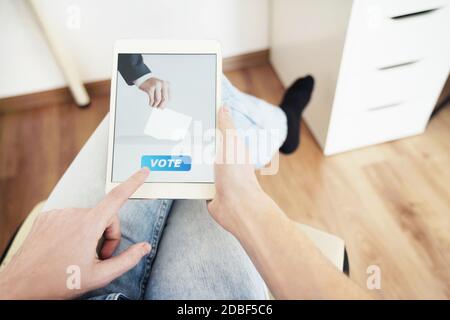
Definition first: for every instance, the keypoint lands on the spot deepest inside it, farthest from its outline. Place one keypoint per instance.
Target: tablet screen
(165, 117)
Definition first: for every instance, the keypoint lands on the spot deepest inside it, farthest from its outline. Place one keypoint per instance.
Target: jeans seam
(162, 215)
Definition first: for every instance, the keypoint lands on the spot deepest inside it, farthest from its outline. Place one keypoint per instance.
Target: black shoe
(295, 100)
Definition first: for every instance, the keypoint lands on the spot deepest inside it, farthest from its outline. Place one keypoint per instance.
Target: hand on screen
(69, 238)
(233, 179)
(157, 90)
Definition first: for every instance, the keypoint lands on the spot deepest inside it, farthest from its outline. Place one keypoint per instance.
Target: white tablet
(163, 114)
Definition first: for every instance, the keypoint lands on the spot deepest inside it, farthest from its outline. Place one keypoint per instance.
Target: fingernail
(225, 109)
(146, 248)
(145, 170)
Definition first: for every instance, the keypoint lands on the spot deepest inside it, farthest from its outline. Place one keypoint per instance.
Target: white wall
(26, 64)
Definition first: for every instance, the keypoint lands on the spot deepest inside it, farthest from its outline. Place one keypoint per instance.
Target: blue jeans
(192, 257)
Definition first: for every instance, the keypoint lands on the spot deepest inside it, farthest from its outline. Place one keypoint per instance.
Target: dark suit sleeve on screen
(131, 67)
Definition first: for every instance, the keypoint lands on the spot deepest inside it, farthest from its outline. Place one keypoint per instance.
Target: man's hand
(236, 183)
(157, 90)
(61, 239)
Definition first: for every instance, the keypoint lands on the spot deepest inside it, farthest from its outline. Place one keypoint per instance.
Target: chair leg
(346, 267)
(63, 58)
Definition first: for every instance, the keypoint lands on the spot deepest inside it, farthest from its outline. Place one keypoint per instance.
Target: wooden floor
(391, 202)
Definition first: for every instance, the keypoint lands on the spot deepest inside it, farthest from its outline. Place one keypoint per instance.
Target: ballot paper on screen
(167, 124)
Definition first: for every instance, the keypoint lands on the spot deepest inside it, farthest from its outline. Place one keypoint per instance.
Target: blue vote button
(166, 163)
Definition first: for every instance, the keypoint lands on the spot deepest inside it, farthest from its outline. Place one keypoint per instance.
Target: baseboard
(252, 59)
(101, 88)
(51, 97)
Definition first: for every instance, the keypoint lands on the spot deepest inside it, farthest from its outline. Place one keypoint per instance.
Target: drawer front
(390, 32)
(356, 130)
(372, 88)
(395, 8)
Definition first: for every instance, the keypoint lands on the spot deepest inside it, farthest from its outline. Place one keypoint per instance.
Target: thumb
(225, 121)
(228, 134)
(112, 268)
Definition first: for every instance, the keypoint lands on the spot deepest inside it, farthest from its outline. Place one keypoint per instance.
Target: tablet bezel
(167, 190)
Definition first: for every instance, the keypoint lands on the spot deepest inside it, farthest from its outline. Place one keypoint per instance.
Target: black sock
(295, 100)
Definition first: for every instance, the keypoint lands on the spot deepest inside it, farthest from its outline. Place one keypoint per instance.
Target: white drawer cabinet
(379, 65)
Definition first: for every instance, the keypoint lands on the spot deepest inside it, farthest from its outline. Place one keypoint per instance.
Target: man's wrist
(139, 81)
(255, 207)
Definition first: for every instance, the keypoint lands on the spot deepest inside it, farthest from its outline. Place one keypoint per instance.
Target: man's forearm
(289, 262)
(131, 67)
